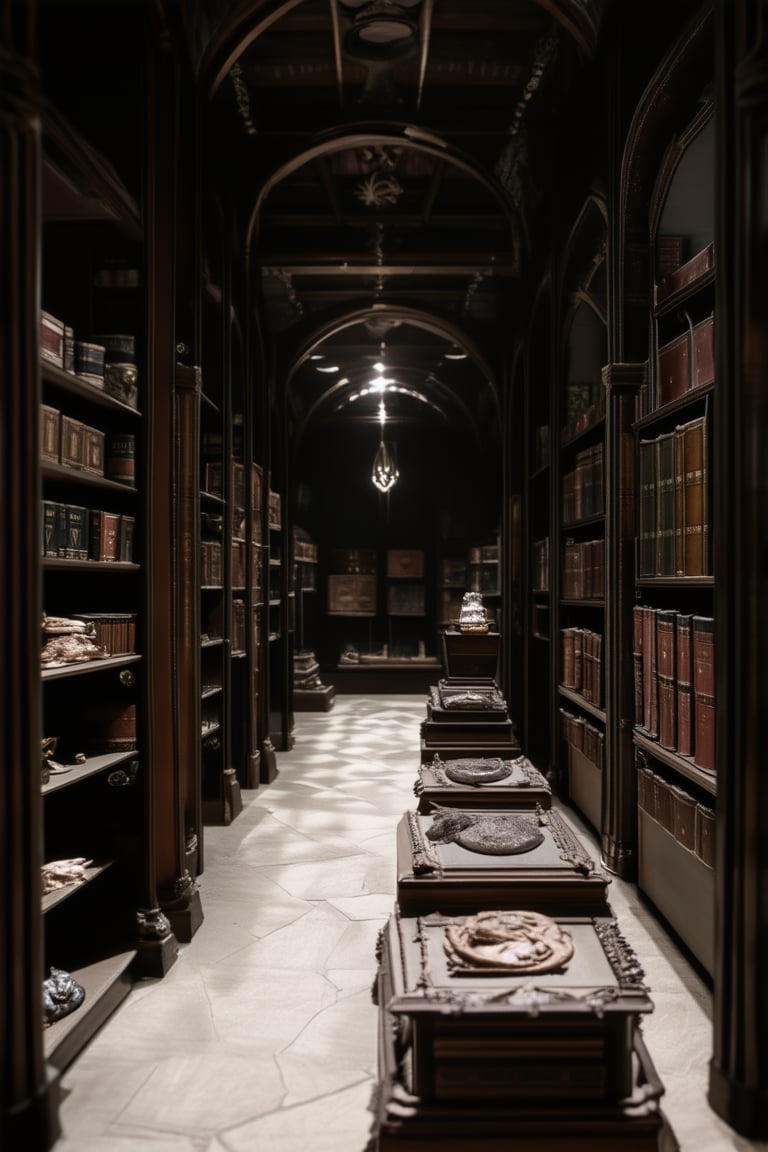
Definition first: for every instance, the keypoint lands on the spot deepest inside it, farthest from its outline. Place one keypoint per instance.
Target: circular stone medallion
(499, 835)
(477, 771)
(509, 941)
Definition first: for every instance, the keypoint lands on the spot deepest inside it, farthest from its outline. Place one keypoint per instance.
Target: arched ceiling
(391, 159)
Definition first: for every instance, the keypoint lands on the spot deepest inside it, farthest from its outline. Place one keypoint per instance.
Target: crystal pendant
(385, 473)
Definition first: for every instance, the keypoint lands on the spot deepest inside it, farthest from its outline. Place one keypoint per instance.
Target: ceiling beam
(325, 266)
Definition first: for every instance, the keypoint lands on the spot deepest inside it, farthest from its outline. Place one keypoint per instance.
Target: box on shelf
(52, 339)
(93, 450)
(687, 362)
(686, 274)
(50, 433)
(72, 442)
(441, 863)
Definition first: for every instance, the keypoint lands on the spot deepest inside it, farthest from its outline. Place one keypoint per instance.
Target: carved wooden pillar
(163, 851)
(180, 898)
(28, 1089)
(622, 383)
(738, 1086)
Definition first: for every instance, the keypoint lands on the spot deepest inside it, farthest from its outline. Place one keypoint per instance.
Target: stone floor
(262, 1036)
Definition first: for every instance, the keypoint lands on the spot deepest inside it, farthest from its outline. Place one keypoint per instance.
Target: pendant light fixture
(384, 473)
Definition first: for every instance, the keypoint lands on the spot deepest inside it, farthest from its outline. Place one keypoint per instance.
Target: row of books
(73, 532)
(691, 823)
(584, 569)
(583, 487)
(579, 734)
(674, 502)
(305, 550)
(212, 564)
(75, 444)
(674, 666)
(581, 651)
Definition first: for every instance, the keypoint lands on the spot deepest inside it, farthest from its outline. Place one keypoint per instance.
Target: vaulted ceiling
(391, 160)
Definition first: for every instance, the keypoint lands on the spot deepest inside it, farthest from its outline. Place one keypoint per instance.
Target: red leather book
(703, 645)
(104, 535)
(578, 659)
(665, 675)
(568, 678)
(679, 499)
(688, 273)
(637, 659)
(650, 687)
(684, 686)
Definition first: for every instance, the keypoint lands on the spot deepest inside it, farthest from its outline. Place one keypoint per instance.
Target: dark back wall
(446, 499)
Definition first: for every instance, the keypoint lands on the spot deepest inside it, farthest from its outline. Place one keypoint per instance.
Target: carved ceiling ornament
(380, 188)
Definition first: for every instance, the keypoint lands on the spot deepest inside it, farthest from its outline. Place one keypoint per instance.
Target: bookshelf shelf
(582, 702)
(682, 765)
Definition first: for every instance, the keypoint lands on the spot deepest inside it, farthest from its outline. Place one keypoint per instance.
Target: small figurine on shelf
(61, 995)
(473, 616)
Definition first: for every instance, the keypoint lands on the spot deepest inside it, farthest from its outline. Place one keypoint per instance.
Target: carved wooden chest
(488, 781)
(487, 1060)
(460, 860)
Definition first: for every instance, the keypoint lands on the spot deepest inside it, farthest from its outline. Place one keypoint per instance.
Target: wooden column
(738, 1087)
(622, 383)
(28, 1089)
(180, 898)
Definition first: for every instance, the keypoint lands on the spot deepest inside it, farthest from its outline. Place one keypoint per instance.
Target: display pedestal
(554, 876)
(523, 786)
(470, 656)
(309, 692)
(505, 1062)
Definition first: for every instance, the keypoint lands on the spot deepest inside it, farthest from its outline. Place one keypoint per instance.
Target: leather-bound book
(647, 502)
(703, 645)
(665, 674)
(567, 657)
(650, 684)
(637, 660)
(679, 499)
(696, 450)
(684, 686)
(104, 535)
(665, 505)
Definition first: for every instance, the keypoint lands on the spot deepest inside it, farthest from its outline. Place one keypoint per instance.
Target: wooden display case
(556, 875)
(521, 784)
(466, 1063)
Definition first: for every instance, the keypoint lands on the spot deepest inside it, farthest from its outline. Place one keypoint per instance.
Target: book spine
(696, 499)
(665, 499)
(104, 535)
(637, 660)
(567, 657)
(679, 500)
(684, 686)
(703, 645)
(665, 672)
(127, 534)
(76, 535)
(50, 528)
(650, 702)
(578, 659)
(121, 458)
(647, 504)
